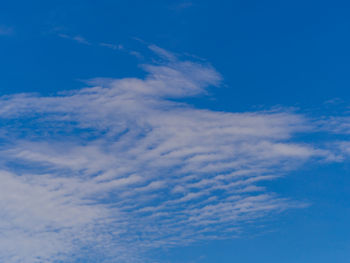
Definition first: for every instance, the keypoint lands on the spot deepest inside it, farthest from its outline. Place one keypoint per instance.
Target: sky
(174, 131)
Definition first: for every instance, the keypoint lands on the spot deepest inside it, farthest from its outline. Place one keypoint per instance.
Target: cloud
(5, 30)
(112, 170)
(76, 38)
(112, 46)
(116, 47)
(181, 6)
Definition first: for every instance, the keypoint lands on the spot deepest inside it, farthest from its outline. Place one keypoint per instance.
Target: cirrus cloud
(119, 167)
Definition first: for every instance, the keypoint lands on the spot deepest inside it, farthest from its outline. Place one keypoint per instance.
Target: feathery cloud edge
(115, 169)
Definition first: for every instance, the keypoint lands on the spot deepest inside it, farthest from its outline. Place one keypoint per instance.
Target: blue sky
(174, 131)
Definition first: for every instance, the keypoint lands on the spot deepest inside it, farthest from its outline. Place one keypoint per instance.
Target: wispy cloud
(116, 168)
(76, 38)
(112, 46)
(182, 5)
(6, 30)
(116, 47)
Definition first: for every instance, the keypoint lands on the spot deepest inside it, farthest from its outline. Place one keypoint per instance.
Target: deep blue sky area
(270, 54)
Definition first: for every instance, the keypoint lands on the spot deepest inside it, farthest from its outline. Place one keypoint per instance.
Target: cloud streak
(118, 168)
(76, 38)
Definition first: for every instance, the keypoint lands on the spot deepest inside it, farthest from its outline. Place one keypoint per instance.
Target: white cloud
(76, 38)
(119, 168)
